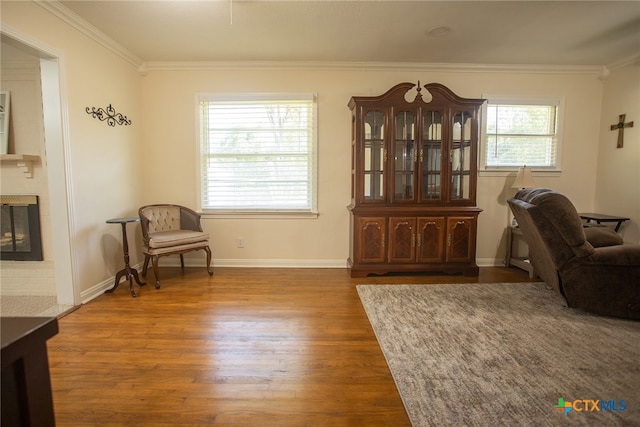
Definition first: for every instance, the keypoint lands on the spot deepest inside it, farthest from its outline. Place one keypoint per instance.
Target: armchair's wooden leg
(145, 265)
(155, 270)
(208, 251)
(181, 261)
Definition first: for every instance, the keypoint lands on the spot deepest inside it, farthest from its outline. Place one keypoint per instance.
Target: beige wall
(103, 167)
(169, 140)
(113, 171)
(618, 185)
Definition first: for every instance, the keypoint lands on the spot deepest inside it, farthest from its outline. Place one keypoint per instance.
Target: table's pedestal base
(130, 274)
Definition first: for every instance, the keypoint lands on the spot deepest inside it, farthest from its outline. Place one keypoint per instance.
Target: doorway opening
(54, 145)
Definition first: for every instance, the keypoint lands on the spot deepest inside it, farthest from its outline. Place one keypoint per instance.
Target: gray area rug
(503, 355)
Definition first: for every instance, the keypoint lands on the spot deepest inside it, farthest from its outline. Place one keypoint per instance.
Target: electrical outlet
(239, 242)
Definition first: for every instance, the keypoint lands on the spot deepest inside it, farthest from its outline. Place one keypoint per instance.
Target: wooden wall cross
(620, 127)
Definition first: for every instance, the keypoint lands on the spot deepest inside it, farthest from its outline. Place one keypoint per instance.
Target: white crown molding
(606, 70)
(368, 66)
(66, 15)
(630, 60)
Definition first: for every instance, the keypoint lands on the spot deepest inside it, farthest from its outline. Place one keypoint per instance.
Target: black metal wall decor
(109, 114)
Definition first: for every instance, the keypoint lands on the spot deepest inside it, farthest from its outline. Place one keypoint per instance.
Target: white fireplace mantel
(23, 161)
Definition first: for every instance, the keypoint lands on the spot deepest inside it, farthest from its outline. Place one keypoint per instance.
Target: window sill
(509, 172)
(258, 215)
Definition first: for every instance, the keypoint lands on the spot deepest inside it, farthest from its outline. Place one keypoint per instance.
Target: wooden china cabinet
(413, 181)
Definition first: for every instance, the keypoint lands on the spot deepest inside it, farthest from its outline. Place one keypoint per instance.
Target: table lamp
(524, 179)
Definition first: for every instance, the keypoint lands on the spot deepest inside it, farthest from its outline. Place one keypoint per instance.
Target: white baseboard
(99, 289)
(260, 263)
(490, 262)
(96, 290)
(291, 263)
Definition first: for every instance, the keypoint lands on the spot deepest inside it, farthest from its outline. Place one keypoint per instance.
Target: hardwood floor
(245, 347)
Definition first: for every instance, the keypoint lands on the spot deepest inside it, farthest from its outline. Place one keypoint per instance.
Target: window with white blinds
(258, 153)
(521, 133)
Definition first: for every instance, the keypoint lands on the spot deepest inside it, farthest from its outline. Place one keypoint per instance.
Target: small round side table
(127, 271)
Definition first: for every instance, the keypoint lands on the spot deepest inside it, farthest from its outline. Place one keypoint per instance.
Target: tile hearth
(32, 306)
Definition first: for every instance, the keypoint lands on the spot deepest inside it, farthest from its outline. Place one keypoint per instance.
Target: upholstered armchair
(590, 267)
(169, 230)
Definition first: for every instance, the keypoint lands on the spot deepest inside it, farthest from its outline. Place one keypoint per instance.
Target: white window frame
(486, 170)
(312, 210)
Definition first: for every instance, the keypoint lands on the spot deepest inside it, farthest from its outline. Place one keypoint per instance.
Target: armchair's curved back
(167, 217)
(160, 217)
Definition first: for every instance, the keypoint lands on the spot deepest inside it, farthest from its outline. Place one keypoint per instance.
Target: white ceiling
(482, 32)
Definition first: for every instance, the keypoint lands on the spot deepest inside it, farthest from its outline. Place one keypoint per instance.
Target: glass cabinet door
(431, 155)
(374, 154)
(405, 156)
(460, 156)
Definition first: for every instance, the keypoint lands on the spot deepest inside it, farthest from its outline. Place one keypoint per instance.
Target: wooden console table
(26, 385)
(600, 218)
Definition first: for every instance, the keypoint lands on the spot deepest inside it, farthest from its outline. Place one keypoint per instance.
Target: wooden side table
(127, 271)
(600, 218)
(520, 262)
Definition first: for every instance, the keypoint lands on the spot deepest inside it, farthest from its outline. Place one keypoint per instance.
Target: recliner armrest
(602, 236)
(619, 255)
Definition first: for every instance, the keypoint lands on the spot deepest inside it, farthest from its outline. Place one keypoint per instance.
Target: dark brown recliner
(594, 271)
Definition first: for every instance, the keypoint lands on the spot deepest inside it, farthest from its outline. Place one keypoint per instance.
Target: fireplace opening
(20, 238)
